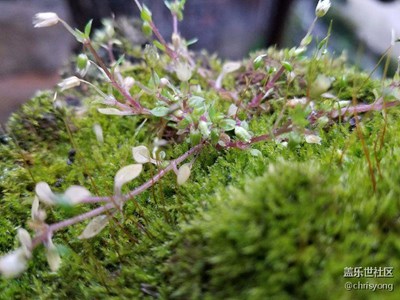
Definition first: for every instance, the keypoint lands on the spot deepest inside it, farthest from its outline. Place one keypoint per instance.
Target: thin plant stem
(50, 229)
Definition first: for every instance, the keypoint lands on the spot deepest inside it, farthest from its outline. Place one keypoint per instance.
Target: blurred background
(31, 59)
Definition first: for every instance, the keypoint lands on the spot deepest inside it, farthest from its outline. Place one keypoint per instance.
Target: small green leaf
(146, 29)
(159, 45)
(256, 153)
(259, 62)
(299, 116)
(160, 111)
(196, 101)
(82, 61)
(214, 136)
(288, 67)
(183, 124)
(242, 134)
(168, 4)
(145, 14)
(119, 61)
(79, 35)
(195, 137)
(228, 124)
(306, 40)
(88, 28)
(191, 42)
(322, 43)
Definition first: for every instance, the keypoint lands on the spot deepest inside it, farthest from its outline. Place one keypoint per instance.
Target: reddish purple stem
(97, 211)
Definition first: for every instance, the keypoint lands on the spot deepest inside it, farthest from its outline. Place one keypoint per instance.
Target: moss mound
(281, 220)
(287, 235)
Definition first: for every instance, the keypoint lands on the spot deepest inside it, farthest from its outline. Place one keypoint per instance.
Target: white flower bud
(163, 82)
(129, 82)
(82, 64)
(178, 113)
(322, 8)
(296, 101)
(183, 71)
(69, 82)
(176, 40)
(313, 139)
(203, 127)
(45, 19)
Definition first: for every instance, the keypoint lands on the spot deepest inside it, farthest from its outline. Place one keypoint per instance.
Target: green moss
(289, 234)
(281, 225)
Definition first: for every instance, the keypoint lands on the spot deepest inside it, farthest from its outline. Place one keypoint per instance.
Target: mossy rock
(281, 223)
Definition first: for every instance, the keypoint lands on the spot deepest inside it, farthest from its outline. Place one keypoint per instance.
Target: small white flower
(45, 19)
(164, 82)
(203, 127)
(296, 101)
(322, 8)
(69, 82)
(129, 82)
(13, 263)
(313, 139)
(183, 71)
